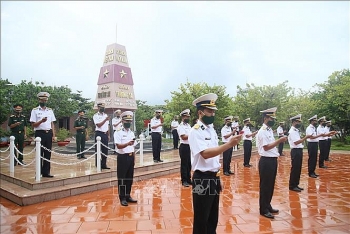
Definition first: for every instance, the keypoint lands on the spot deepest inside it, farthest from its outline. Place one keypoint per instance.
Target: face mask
(324, 124)
(42, 104)
(314, 124)
(118, 116)
(186, 120)
(102, 109)
(270, 123)
(18, 112)
(298, 125)
(126, 125)
(228, 124)
(158, 116)
(208, 119)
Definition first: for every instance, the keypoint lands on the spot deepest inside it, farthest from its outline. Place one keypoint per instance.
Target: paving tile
(165, 206)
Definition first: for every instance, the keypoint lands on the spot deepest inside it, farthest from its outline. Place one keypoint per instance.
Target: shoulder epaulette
(35, 108)
(196, 126)
(48, 108)
(12, 115)
(264, 128)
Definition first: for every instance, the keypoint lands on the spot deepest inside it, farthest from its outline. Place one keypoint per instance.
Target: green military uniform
(18, 133)
(81, 135)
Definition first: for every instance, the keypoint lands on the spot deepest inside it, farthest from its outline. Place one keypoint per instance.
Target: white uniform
(311, 130)
(115, 121)
(294, 135)
(235, 126)
(98, 118)
(202, 137)
(123, 136)
(184, 129)
(265, 137)
(247, 131)
(327, 131)
(174, 124)
(320, 130)
(280, 131)
(225, 130)
(39, 113)
(154, 122)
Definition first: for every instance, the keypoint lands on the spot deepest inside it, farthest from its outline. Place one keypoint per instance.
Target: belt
(102, 132)
(80, 131)
(127, 154)
(44, 131)
(16, 131)
(210, 173)
(156, 132)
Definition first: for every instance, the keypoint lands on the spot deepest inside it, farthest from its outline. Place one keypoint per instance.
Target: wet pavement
(165, 206)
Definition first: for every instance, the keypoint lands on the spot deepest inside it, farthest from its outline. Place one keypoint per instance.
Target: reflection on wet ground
(164, 206)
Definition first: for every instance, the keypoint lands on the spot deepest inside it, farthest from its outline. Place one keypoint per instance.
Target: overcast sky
(222, 43)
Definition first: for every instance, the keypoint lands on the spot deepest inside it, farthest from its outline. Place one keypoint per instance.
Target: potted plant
(62, 134)
(30, 136)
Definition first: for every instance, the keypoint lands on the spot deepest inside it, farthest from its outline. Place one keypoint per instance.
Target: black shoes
(131, 200)
(226, 173)
(105, 167)
(274, 211)
(300, 188)
(185, 184)
(313, 176)
(157, 161)
(268, 215)
(124, 202)
(231, 173)
(248, 165)
(81, 157)
(47, 175)
(325, 167)
(295, 189)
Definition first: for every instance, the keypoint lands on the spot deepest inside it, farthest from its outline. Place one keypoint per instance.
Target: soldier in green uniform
(81, 125)
(18, 123)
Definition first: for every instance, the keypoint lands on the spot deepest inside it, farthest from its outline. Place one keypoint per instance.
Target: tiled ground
(164, 206)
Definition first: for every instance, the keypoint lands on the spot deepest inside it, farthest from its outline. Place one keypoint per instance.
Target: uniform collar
(202, 125)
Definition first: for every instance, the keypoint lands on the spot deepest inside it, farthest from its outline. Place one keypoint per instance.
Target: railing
(37, 159)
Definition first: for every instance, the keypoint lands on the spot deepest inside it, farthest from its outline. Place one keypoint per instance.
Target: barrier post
(142, 138)
(12, 154)
(37, 159)
(98, 153)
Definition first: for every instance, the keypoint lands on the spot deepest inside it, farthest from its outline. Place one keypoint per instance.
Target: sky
(168, 43)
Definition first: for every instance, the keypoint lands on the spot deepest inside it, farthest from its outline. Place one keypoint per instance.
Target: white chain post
(98, 139)
(12, 154)
(38, 159)
(142, 138)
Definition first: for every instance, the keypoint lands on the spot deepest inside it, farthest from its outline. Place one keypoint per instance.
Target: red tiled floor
(164, 206)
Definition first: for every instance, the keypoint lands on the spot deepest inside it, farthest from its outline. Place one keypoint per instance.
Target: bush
(62, 134)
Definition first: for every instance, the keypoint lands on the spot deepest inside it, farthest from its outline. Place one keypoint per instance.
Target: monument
(115, 83)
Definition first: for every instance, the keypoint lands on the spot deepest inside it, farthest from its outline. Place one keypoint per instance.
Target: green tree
(142, 113)
(250, 100)
(183, 98)
(333, 100)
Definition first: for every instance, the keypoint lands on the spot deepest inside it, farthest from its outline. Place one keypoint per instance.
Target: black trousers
(280, 147)
(125, 174)
(80, 141)
(46, 141)
(323, 144)
(295, 171)
(185, 156)
(329, 143)
(226, 159)
(156, 145)
(205, 197)
(19, 143)
(247, 146)
(312, 148)
(104, 150)
(175, 138)
(267, 173)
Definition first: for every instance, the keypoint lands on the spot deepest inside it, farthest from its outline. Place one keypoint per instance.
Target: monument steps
(25, 193)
